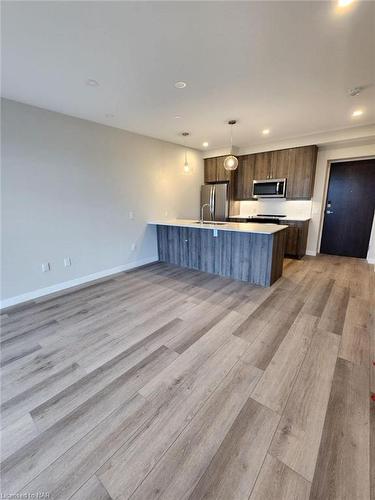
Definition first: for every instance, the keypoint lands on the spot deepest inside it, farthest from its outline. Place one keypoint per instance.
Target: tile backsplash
(290, 208)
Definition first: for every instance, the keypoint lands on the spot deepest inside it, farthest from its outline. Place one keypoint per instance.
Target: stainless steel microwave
(269, 188)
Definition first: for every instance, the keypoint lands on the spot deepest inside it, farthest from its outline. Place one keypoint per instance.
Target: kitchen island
(244, 251)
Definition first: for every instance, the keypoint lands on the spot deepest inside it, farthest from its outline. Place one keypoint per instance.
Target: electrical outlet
(215, 233)
(166, 213)
(133, 247)
(67, 262)
(46, 267)
(131, 215)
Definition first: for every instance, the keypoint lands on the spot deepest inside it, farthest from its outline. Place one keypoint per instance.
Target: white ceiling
(279, 65)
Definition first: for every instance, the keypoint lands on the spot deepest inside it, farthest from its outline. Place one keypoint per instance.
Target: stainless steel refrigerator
(215, 199)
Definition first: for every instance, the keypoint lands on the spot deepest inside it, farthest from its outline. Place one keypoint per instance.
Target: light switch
(46, 267)
(133, 247)
(67, 262)
(131, 215)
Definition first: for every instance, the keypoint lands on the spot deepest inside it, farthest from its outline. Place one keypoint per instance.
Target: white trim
(312, 253)
(371, 261)
(25, 297)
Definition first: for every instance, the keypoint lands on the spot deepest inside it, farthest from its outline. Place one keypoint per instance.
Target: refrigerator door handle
(212, 204)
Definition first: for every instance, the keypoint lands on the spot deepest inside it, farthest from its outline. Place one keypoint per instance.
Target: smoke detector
(354, 91)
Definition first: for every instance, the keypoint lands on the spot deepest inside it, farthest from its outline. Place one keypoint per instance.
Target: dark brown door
(349, 209)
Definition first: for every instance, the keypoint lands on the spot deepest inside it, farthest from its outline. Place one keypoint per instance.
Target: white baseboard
(312, 253)
(371, 261)
(35, 294)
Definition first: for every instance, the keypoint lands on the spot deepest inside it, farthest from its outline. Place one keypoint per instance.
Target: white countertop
(296, 218)
(241, 227)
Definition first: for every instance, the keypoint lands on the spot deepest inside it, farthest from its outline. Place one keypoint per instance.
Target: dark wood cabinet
(214, 170)
(262, 165)
(243, 178)
(210, 170)
(301, 172)
(253, 257)
(297, 165)
(222, 175)
(280, 164)
(296, 238)
(271, 164)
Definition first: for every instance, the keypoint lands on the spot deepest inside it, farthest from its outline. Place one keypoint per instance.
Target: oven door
(273, 188)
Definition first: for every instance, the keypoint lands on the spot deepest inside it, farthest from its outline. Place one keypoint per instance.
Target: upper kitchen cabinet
(301, 172)
(222, 174)
(243, 178)
(297, 165)
(262, 166)
(210, 170)
(271, 165)
(214, 170)
(280, 162)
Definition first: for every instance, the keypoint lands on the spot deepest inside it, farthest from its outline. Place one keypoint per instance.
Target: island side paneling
(252, 257)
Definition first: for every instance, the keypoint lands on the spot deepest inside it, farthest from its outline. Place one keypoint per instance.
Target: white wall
(67, 188)
(290, 208)
(326, 155)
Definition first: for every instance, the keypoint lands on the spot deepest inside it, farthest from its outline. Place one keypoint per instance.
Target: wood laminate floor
(170, 383)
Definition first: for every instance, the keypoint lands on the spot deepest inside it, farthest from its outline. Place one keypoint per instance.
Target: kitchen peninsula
(244, 251)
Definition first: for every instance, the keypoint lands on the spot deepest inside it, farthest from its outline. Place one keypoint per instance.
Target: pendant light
(186, 164)
(231, 162)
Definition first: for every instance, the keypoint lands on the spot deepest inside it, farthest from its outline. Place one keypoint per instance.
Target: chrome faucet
(202, 207)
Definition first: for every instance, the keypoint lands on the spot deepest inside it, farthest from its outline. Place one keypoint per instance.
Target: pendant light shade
(186, 163)
(231, 162)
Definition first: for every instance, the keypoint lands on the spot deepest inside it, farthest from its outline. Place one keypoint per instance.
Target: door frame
(325, 190)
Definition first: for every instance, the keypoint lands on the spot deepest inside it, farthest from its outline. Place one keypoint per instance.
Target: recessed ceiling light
(344, 3)
(92, 83)
(180, 85)
(266, 131)
(205, 144)
(178, 117)
(357, 112)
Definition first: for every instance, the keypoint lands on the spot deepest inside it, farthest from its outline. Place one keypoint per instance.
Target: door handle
(212, 203)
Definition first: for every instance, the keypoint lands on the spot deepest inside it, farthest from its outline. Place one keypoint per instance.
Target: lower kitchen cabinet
(296, 238)
(253, 257)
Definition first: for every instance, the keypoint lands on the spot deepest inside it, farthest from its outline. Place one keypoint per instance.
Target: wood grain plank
(333, 316)
(16, 435)
(277, 381)
(52, 410)
(343, 465)
(264, 347)
(22, 403)
(21, 467)
(235, 467)
(277, 481)
(125, 471)
(178, 471)
(66, 475)
(296, 442)
(355, 342)
(92, 490)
